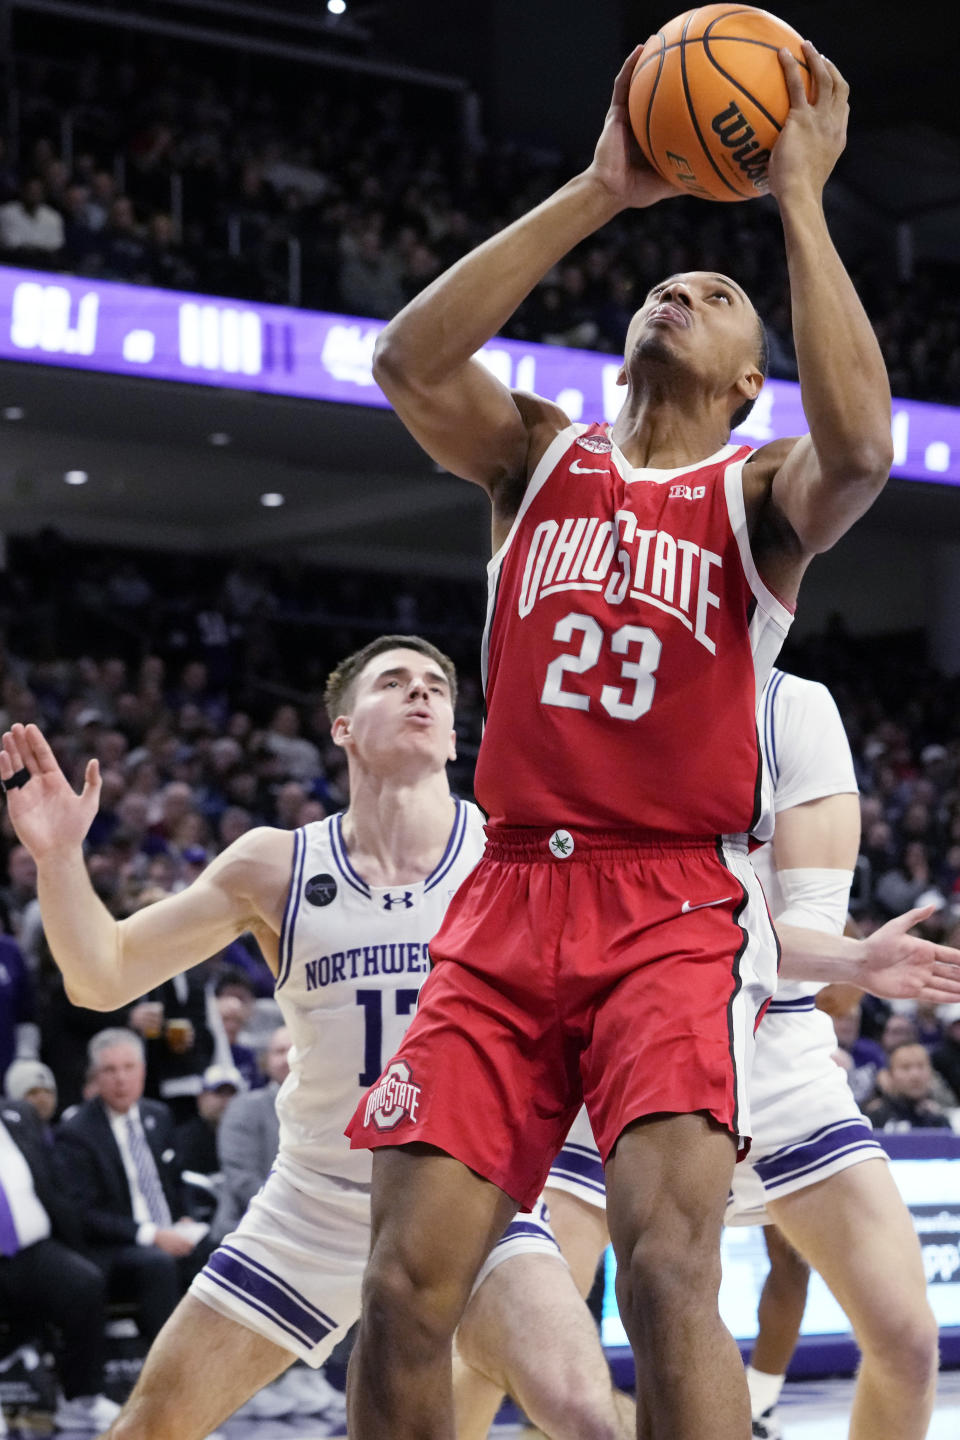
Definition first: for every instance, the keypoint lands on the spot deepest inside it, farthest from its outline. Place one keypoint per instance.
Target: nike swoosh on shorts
(686, 907)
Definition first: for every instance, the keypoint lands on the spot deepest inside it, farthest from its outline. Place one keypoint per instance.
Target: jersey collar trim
(632, 473)
(342, 860)
(454, 844)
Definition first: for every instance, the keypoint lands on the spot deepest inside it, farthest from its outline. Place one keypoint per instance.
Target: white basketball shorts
(806, 1123)
(293, 1268)
(529, 1234)
(578, 1168)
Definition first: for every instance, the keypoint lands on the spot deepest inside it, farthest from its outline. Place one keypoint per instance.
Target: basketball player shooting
(815, 1168)
(613, 944)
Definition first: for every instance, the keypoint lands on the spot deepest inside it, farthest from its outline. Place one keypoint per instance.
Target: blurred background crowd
(169, 168)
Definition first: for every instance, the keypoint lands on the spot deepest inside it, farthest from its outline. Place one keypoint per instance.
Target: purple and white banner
(204, 340)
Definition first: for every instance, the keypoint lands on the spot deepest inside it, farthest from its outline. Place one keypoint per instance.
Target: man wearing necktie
(42, 1277)
(124, 1177)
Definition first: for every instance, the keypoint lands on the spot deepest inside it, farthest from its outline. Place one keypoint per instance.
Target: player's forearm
(471, 302)
(817, 955)
(81, 932)
(84, 938)
(843, 380)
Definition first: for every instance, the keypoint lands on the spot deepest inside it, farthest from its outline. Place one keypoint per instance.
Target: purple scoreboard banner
(274, 349)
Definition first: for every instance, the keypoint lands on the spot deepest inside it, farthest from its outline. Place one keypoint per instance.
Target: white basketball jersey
(352, 960)
(806, 755)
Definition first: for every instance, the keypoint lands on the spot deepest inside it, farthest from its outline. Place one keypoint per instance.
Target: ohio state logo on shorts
(396, 1098)
(596, 444)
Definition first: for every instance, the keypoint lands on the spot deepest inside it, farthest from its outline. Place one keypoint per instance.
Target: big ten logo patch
(396, 1098)
(687, 492)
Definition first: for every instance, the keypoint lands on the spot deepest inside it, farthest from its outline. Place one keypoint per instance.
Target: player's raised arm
(464, 418)
(831, 476)
(107, 962)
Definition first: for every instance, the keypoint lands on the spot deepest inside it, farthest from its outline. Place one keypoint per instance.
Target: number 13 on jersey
(637, 643)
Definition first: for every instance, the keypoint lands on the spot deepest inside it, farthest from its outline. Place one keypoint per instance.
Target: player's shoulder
(543, 421)
(538, 413)
(257, 865)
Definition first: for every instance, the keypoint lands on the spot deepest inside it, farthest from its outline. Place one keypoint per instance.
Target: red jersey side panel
(628, 638)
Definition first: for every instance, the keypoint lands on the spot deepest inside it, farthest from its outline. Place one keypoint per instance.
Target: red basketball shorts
(626, 971)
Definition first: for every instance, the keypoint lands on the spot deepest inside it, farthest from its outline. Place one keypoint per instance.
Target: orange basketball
(708, 99)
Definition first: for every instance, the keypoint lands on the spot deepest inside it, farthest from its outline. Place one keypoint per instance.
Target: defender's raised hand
(47, 813)
(900, 966)
(619, 163)
(815, 131)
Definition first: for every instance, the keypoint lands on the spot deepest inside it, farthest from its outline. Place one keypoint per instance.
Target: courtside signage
(205, 340)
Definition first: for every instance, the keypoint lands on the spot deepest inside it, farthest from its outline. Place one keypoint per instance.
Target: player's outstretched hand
(815, 131)
(618, 162)
(900, 966)
(47, 813)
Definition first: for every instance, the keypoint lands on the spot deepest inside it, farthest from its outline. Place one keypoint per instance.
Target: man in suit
(42, 1277)
(121, 1166)
(248, 1137)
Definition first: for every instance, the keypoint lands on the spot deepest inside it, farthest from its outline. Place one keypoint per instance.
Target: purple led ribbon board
(273, 349)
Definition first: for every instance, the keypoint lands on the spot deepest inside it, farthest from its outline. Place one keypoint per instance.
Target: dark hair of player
(337, 696)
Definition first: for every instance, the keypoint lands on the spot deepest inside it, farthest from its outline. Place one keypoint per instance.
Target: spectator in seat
(121, 243)
(197, 1137)
(235, 996)
(248, 1137)
(901, 1028)
(172, 1020)
(906, 1103)
(32, 1081)
(42, 1276)
(866, 1056)
(124, 1180)
(370, 278)
(28, 225)
(21, 887)
(300, 757)
(946, 1055)
(19, 1036)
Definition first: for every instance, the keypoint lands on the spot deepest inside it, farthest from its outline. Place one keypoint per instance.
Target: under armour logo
(406, 900)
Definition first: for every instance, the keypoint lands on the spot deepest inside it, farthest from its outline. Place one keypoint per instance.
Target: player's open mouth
(419, 715)
(670, 315)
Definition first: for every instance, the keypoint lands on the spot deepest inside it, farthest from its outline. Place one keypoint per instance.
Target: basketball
(708, 99)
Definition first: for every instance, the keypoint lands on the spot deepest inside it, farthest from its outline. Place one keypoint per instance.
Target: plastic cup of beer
(179, 1035)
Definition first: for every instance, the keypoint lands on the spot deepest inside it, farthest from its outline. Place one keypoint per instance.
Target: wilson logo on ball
(738, 135)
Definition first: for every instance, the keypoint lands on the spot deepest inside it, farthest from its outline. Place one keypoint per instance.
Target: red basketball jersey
(628, 637)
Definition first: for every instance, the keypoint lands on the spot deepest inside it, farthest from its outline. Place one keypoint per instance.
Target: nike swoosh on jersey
(579, 469)
(686, 907)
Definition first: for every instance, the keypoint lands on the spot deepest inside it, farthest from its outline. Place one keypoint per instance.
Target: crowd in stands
(180, 177)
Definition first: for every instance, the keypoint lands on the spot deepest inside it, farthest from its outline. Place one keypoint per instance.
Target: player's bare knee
(405, 1310)
(585, 1412)
(904, 1345)
(666, 1274)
